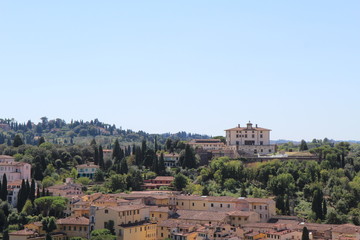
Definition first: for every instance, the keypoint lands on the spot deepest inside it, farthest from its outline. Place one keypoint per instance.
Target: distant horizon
(176, 131)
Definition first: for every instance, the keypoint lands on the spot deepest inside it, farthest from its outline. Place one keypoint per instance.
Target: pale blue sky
(197, 66)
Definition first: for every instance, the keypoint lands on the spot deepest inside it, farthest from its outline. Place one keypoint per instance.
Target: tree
(156, 144)
(102, 234)
(303, 146)
(118, 182)
(316, 206)
(49, 225)
(305, 234)
(99, 176)
(32, 191)
(3, 190)
(17, 141)
(41, 141)
(123, 166)
(161, 164)
(324, 207)
(101, 158)
(117, 152)
(96, 155)
(189, 160)
(180, 182)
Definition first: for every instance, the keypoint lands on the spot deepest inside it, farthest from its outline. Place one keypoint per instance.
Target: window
(261, 143)
(269, 150)
(265, 207)
(80, 228)
(74, 228)
(261, 136)
(220, 204)
(69, 228)
(260, 215)
(106, 211)
(254, 207)
(193, 204)
(260, 207)
(212, 205)
(204, 204)
(228, 205)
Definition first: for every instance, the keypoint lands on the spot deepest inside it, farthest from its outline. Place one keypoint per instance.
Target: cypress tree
(123, 167)
(133, 149)
(101, 157)
(317, 201)
(189, 158)
(161, 164)
(287, 205)
(116, 155)
(156, 144)
(27, 190)
(138, 156)
(43, 194)
(93, 142)
(143, 148)
(303, 146)
(324, 208)
(155, 165)
(38, 192)
(21, 196)
(32, 191)
(3, 190)
(96, 155)
(17, 141)
(305, 234)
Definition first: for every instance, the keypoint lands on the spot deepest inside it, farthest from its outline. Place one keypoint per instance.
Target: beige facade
(249, 139)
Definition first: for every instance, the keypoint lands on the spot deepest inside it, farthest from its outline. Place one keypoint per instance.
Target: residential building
(14, 170)
(249, 140)
(159, 181)
(207, 144)
(171, 159)
(74, 226)
(87, 170)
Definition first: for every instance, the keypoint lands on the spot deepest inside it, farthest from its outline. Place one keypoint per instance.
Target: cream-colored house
(249, 139)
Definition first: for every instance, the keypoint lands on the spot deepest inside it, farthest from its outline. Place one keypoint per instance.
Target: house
(26, 234)
(14, 170)
(263, 206)
(74, 226)
(249, 140)
(130, 221)
(87, 170)
(159, 181)
(207, 144)
(68, 189)
(171, 159)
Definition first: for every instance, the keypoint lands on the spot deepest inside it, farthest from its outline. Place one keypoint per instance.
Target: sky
(196, 66)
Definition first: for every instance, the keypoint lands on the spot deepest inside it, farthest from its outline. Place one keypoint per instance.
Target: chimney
(238, 125)
(256, 125)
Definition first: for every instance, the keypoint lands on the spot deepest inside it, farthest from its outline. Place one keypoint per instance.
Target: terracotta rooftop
(201, 215)
(24, 232)
(164, 178)
(159, 209)
(73, 221)
(347, 228)
(127, 207)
